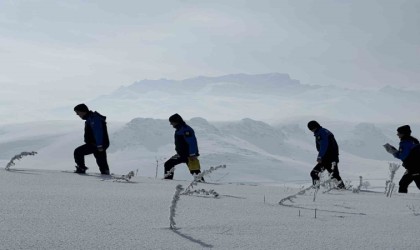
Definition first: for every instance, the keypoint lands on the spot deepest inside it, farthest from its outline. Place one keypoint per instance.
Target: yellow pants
(193, 164)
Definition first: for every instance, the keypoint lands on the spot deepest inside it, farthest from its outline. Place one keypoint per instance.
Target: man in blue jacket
(96, 140)
(185, 146)
(327, 154)
(409, 153)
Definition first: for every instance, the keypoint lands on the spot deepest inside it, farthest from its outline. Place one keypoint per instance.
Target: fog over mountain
(267, 97)
(255, 124)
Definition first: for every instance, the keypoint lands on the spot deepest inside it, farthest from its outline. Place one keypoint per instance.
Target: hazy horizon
(57, 54)
(272, 98)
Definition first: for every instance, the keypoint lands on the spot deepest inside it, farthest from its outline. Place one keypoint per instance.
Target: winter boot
(194, 173)
(80, 170)
(341, 185)
(105, 172)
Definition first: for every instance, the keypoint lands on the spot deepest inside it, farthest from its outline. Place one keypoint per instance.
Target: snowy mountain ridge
(270, 97)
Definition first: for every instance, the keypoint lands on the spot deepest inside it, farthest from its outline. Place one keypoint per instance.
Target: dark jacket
(185, 141)
(96, 131)
(326, 145)
(409, 153)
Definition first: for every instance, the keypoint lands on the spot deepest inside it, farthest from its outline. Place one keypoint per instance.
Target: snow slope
(43, 209)
(254, 151)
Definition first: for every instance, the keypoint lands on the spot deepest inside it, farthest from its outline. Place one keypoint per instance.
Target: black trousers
(87, 149)
(407, 179)
(320, 167)
(171, 163)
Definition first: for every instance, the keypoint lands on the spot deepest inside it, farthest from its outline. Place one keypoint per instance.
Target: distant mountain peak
(272, 78)
(268, 78)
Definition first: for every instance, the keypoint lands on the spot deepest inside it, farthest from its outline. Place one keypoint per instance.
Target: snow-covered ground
(50, 209)
(46, 208)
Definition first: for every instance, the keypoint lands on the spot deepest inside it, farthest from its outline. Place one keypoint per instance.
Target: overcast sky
(69, 51)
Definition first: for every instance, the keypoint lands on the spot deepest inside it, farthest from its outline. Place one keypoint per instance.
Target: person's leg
(416, 178)
(332, 168)
(170, 164)
(195, 172)
(404, 182)
(101, 160)
(194, 167)
(336, 173)
(79, 156)
(315, 173)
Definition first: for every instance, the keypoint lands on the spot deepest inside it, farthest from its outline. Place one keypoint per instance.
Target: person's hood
(90, 114)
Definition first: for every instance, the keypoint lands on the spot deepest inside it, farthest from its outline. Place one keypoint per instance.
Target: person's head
(313, 125)
(175, 120)
(403, 131)
(81, 110)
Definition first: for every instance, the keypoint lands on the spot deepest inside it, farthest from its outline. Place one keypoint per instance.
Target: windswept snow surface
(45, 209)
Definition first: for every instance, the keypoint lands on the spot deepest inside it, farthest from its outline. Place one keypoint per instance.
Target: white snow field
(268, 158)
(50, 209)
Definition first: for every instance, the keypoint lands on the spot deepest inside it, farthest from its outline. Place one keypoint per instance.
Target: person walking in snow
(96, 140)
(409, 154)
(327, 154)
(185, 146)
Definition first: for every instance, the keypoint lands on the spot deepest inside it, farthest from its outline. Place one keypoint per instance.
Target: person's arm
(98, 130)
(403, 151)
(191, 140)
(323, 144)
